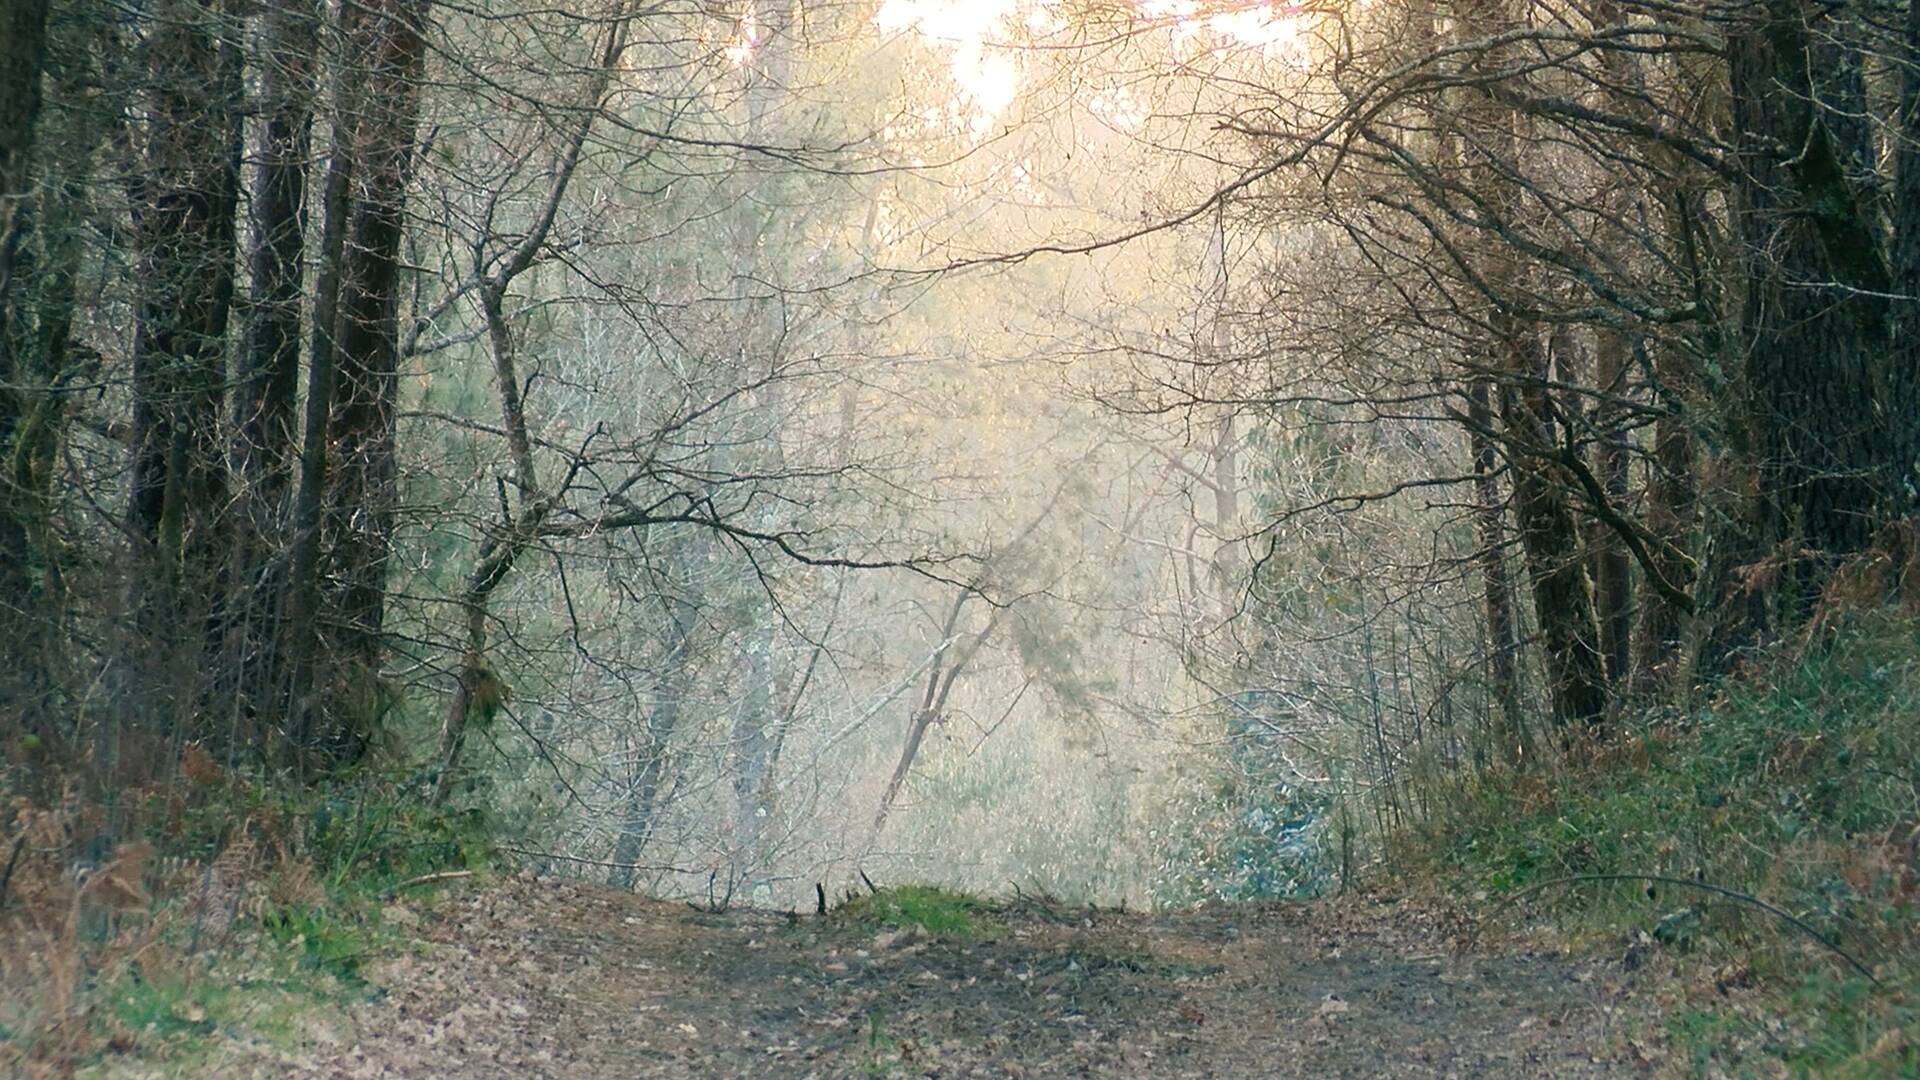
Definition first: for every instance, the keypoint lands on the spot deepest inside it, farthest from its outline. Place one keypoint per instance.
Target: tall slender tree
(184, 203)
(266, 420)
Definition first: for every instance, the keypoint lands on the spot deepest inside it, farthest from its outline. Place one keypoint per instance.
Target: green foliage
(309, 874)
(1796, 783)
(369, 838)
(1813, 1025)
(1244, 840)
(180, 1021)
(937, 911)
(166, 1009)
(327, 941)
(1258, 834)
(364, 840)
(882, 1050)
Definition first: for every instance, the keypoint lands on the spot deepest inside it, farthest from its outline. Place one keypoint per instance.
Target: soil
(559, 979)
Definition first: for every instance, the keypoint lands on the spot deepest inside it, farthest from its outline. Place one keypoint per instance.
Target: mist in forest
(1124, 452)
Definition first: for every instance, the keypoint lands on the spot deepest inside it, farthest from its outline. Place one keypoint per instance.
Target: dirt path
(550, 979)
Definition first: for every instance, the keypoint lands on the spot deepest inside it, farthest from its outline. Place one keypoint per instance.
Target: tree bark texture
(266, 419)
(1814, 327)
(184, 208)
(357, 524)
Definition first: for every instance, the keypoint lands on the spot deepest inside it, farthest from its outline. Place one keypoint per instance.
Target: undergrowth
(147, 922)
(1797, 783)
(940, 912)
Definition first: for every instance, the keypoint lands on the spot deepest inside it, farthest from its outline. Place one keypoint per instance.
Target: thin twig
(1719, 890)
(535, 853)
(429, 879)
(13, 859)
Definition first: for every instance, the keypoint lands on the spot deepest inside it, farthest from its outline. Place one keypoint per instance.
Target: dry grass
(83, 917)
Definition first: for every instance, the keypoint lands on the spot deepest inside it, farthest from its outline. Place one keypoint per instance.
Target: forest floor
(526, 978)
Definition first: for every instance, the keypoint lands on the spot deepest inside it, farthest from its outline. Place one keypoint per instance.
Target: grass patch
(941, 912)
(1797, 783)
(327, 941)
(229, 909)
(167, 1010)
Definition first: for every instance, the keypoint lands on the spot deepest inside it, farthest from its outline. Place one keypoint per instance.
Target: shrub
(1797, 782)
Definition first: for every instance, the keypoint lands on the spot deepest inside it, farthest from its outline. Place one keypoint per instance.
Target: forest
(977, 485)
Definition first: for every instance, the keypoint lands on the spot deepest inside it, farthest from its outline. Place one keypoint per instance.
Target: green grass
(333, 942)
(173, 1009)
(167, 1010)
(937, 911)
(172, 1026)
(882, 1052)
(1797, 783)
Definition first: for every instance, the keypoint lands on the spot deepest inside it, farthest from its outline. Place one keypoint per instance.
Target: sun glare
(746, 39)
(978, 36)
(985, 74)
(1269, 29)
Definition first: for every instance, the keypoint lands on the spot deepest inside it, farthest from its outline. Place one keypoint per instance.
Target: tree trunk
(950, 659)
(754, 731)
(1496, 591)
(1612, 568)
(357, 527)
(1650, 645)
(23, 48)
(502, 548)
(1815, 322)
(750, 743)
(1550, 538)
(1670, 518)
(1903, 389)
(298, 656)
(1549, 533)
(478, 690)
(184, 207)
(23, 55)
(669, 695)
(266, 421)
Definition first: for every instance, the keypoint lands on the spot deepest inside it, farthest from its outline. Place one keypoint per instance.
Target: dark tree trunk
(184, 209)
(298, 655)
(1903, 389)
(1493, 149)
(44, 245)
(357, 523)
(1642, 641)
(23, 55)
(1815, 320)
(1550, 539)
(1612, 567)
(1670, 519)
(1496, 590)
(266, 421)
(22, 60)
(506, 542)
